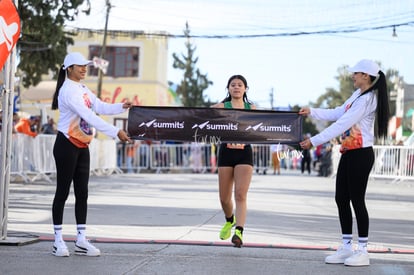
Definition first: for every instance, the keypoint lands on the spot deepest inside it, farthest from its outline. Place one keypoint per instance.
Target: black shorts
(228, 157)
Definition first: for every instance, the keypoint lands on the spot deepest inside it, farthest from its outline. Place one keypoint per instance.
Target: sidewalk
(169, 224)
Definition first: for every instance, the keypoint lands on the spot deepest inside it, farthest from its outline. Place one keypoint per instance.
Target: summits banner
(213, 125)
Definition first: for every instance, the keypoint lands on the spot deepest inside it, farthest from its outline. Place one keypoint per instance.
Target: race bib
(235, 146)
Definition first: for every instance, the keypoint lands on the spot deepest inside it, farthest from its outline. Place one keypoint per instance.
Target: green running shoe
(226, 230)
(237, 239)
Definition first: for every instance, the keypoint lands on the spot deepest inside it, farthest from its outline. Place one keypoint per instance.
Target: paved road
(169, 224)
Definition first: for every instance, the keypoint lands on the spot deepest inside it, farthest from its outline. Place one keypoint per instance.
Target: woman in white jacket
(77, 115)
(355, 120)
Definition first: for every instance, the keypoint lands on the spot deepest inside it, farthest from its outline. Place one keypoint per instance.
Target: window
(121, 123)
(123, 61)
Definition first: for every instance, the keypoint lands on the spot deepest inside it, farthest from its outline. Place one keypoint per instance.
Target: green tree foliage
(333, 98)
(307, 126)
(190, 90)
(43, 41)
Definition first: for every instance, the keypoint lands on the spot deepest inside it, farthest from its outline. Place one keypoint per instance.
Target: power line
(223, 17)
(124, 33)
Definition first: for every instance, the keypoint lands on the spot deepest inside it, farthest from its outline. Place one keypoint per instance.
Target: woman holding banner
(235, 166)
(355, 119)
(77, 106)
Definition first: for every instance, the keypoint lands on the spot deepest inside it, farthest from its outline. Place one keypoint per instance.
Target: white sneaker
(60, 249)
(339, 257)
(85, 248)
(360, 258)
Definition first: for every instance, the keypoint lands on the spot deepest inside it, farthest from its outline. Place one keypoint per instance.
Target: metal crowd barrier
(192, 157)
(183, 157)
(394, 162)
(32, 158)
(166, 157)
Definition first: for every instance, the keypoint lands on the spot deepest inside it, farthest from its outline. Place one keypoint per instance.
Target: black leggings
(72, 163)
(351, 185)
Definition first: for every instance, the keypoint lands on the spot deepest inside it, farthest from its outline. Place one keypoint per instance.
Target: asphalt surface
(169, 224)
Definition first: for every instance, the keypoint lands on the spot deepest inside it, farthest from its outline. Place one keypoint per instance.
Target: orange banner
(9, 29)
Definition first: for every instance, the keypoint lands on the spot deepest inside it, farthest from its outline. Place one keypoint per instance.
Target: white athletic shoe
(360, 258)
(60, 249)
(340, 256)
(85, 248)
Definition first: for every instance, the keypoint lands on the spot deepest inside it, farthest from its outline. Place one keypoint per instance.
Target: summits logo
(270, 128)
(220, 127)
(163, 125)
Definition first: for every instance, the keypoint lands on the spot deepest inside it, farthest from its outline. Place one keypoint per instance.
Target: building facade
(402, 124)
(136, 71)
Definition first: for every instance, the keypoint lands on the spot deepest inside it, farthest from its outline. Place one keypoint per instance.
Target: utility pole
(100, 74)
(271, 98)
(6, 138)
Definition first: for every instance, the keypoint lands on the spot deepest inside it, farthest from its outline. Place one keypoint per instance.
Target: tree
(333, 98)
(191, 88)
(43, 41)
(308, 126)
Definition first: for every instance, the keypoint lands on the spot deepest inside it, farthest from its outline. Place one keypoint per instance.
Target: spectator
(306, 159)
(325, 169)
(196, 160)
(275, 148)
(27, 126)
(318, 155)
(131, 150)
(49, 128)
(16, 119)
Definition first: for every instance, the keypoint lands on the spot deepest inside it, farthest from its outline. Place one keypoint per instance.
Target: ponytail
(61, 79)
(383, 111)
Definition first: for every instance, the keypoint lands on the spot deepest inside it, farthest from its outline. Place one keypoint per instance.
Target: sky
(296, 69)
